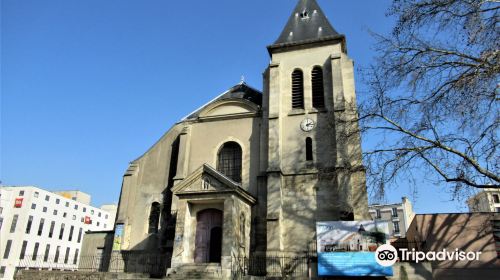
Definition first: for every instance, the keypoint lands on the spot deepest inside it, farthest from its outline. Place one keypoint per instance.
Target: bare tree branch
(433, 95)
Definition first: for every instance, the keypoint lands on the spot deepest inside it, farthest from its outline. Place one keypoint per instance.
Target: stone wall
(75, 275)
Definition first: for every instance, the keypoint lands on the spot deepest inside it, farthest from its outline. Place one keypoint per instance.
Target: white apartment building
(399, 216)
(487, 200)
(41, 229)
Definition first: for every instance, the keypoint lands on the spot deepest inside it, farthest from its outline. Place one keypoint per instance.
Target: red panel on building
(19, 202)
(88, 221)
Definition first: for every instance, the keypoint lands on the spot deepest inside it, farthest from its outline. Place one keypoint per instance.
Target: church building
(251, 172)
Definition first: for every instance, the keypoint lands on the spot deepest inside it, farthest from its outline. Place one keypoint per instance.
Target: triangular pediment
(207, 180)
(239, 100)
(229, 107)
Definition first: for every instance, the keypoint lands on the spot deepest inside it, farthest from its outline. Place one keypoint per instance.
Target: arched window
(318, 92)
(297, 89)
(309, 149)
(154, 217)
(229, 161)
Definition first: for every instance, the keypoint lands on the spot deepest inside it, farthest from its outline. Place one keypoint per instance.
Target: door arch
(208, 242)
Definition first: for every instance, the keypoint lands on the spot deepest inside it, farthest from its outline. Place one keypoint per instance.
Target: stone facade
(251, 165)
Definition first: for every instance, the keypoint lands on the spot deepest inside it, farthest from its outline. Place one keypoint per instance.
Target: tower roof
(307, 24)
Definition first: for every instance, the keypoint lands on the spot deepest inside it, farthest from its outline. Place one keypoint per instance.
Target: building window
(75, 258)
(40, 227)
(65, 214)
(55, 212)
(56, 257)
(47, 197)
(21, 193)
(67, 204)
(51, 231)
(35, 251)
(105, 217)
(318, 92)
(378, 215)
(80, 231)
(2, 271)
(35, 194)
(92, 212)
(1, 210)
(97, 223)
(84, 209)
(99, 214)
(74, 217)
(394, 212)
(154, 217)
(14, 223)
(396, 227)
(229, 161)
(58, 200)
(496, 198)
(28, 225)
(46, 255)
(73, 198)
(61, 232)
(297, 89)
(33, 206)
(44, 209)
(1, 222)
(23, 250)
(76, 207)
(71, 233)
(309, 149)
(7, 249)
(66, 256)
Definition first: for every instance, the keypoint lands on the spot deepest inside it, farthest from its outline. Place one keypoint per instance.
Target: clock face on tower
(307, 125)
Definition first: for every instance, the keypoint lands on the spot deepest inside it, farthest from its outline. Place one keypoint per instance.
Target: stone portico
(212, 211)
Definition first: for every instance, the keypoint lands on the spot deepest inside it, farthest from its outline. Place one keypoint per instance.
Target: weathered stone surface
(75, 275)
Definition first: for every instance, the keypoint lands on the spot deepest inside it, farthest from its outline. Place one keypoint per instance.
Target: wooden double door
(208, 241)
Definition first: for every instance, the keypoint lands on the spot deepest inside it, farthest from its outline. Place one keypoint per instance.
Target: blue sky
(89, 85)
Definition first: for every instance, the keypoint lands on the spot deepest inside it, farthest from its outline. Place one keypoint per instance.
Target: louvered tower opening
(318, 93)
(297, 89)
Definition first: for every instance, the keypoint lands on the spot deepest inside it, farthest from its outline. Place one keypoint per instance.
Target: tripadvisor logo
(387, 255)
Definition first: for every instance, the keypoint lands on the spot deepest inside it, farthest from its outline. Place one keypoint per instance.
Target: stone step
(195, 271)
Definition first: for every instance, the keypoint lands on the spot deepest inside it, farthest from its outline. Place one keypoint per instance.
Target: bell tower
(312, 158)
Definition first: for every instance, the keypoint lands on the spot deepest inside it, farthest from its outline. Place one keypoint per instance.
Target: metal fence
(124, 261)
(301, 266)
(274, 266)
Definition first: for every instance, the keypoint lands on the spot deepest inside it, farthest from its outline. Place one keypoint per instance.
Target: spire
(307, 23)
